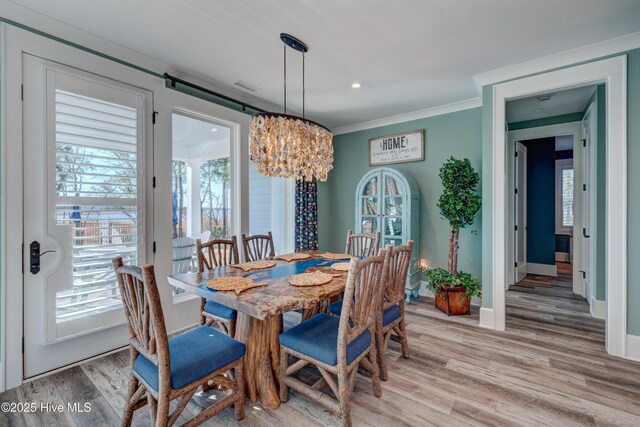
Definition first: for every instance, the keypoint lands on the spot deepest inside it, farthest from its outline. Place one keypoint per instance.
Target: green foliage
(439, 278)
(459, 202)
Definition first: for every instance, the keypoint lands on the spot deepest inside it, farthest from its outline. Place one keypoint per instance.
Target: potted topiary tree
(459, 203)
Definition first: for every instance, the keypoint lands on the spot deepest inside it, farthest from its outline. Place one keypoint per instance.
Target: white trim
(542, 269)
(633, 347)
(612, 72)
(562, 257)
(414, 115)
(558, 60)
(487, 318)
(598, 308)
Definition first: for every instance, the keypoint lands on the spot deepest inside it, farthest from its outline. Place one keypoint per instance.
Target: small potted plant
(453, 292)
(459, 203)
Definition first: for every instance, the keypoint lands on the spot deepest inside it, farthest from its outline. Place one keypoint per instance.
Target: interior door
(84, 204)
(520, 228)
(585, 206)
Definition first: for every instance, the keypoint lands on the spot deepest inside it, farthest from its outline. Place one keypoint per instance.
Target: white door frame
(613, 72)
(185, 307)
(517, 147)
(15, 41)
(570, 128)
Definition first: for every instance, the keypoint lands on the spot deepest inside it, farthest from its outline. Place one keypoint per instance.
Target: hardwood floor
(549, 368)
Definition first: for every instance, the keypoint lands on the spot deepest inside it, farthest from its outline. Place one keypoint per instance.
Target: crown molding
(414, 115)
(558, 60)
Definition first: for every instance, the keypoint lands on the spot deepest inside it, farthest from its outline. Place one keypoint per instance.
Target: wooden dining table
(260, 311)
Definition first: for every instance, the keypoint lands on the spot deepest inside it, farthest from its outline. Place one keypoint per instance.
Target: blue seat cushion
(318, 338)
(336, 308)
(220, 310)
(193, 355)
(390, 314)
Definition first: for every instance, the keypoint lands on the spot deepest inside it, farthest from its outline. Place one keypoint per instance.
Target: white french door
(84, 204)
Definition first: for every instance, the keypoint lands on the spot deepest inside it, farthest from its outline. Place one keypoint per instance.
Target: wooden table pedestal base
(262, 361)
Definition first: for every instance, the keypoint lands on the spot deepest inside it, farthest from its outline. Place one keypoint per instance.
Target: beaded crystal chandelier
(290, 146)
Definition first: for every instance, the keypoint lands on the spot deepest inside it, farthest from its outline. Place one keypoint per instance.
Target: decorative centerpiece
(459, 203)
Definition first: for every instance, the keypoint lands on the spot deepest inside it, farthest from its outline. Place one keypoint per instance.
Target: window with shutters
(564, 196)
(97, 165)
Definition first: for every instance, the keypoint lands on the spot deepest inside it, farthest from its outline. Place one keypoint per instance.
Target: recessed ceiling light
(356, 85)
(214, 129)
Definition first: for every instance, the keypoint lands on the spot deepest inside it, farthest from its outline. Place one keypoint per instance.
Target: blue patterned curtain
(306, 215)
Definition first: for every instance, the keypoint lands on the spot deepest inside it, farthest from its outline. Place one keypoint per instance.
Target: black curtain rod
(244, 105)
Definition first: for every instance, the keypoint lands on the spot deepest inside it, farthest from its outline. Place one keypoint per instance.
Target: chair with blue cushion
(392, 320)
(163, 369)
(212, 254)
(337, 346)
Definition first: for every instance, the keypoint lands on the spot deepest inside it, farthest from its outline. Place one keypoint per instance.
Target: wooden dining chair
(337, 346)
(212, 254)
(165, 369)
(258, 247)
(361, 244)
(392, 301)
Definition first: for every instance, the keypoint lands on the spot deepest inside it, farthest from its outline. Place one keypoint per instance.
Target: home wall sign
(399, 148)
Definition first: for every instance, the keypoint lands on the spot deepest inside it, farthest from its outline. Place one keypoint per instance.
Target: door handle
(34, 257)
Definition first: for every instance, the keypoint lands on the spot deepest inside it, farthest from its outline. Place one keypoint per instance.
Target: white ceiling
(559, 103)
(409, 55)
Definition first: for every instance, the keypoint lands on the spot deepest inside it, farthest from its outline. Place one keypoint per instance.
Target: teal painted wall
(456, 134)
(541, 200)
(633, 191)
(546, 121)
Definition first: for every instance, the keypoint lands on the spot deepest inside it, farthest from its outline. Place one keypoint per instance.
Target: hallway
(545, 303)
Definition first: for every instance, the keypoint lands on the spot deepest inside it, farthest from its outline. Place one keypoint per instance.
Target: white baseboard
(542, 269)
(562, 257)
(486, 318)
(633, 347)
(598, 308)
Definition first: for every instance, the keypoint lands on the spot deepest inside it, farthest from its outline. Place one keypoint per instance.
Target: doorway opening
(555, 190)
(612, 73)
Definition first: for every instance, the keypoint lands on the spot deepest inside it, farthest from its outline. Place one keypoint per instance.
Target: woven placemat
(255, 265)
(236, 284)
(327, 270)
(253, 285)
(310, 279)
(229, 283)
(294, 256)
(340, 266)
(330, 255)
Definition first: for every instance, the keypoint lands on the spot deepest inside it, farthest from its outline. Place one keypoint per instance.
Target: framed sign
(399, 148)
